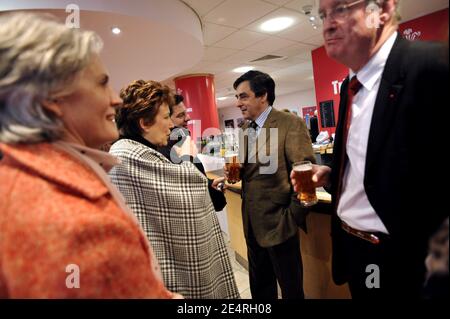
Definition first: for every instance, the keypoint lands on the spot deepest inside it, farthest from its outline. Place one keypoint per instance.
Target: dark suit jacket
(314, 128)
(268, 201)
(400, 180)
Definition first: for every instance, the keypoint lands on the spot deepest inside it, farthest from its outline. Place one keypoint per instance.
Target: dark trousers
(282, 263)
(379, 271)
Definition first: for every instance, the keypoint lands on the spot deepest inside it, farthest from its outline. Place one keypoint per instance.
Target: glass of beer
(233, 167)
(303, 177)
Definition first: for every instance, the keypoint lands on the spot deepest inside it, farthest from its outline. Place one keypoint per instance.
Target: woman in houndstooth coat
(171, 201)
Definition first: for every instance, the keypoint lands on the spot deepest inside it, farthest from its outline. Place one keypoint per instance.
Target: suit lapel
(338, 143)
(271, 122)
(245, 150)
(385, 108)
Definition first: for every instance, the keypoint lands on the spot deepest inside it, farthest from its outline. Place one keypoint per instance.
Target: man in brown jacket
(271, 213)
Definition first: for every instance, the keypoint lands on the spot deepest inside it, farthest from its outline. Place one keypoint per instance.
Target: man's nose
(329, 26)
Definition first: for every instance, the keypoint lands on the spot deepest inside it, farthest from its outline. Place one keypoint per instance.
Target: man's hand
(187, 148)
(320, 177)
(219, 184)
(225, 172)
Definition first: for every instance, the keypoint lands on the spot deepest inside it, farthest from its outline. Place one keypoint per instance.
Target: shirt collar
(263, 117)
(373, 69)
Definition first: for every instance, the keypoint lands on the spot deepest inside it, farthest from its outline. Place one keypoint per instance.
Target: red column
(198, 91)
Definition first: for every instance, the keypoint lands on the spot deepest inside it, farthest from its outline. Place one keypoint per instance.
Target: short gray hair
(39, 58)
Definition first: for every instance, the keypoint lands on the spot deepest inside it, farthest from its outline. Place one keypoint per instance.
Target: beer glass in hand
(303, 176)
(233, 167)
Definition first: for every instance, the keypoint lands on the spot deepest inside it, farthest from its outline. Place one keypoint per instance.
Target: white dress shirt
(262, 118)
(354, 206)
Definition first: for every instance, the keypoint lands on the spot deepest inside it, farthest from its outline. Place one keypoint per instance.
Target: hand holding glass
(234, 169)
(306, 190)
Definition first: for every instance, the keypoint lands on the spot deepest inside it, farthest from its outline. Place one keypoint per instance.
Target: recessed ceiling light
(222, 98)
(277, 24)
(116, 30)
(243, 69)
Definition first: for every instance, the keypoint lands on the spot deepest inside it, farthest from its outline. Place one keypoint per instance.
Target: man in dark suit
(381, 180)
(271, 213)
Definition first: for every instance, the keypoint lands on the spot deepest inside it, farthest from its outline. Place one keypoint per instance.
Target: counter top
(323, 149)
(322, 195)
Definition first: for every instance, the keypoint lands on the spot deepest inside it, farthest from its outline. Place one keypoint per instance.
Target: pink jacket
(56, 213)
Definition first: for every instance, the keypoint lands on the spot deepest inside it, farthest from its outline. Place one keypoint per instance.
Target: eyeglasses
(340, 12)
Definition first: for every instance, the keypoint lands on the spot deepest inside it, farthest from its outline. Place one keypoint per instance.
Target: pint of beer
(234, 168)
(303, 177)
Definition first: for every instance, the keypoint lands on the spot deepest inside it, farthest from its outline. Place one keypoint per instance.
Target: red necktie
(353, 88)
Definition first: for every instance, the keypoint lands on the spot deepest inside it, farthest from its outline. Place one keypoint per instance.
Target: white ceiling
(232, 38)
(152, 33)
(162, 39)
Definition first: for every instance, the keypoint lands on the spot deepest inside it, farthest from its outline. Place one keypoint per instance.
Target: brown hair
(141, 100)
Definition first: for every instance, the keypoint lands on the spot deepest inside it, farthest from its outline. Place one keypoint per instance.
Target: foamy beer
(233, 167)
(303, 177)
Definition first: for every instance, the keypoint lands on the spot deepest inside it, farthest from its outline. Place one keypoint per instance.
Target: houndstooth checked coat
(173, 206)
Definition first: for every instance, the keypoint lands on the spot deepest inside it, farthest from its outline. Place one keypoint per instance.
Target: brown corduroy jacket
(269, 203)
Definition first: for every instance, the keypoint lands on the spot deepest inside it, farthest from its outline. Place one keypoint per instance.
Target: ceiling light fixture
(243, 69)
(116, 30)
(277, 24)
(222, 98)
(307, 11)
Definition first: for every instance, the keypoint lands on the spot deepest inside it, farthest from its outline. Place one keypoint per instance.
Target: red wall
(327, 72)
(198, 91)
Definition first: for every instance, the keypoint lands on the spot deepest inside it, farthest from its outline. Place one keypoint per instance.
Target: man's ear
(387, 11)
(264, 97)
(53, 106)
(143, 126)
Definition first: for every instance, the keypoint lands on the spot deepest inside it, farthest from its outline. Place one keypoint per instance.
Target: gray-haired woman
(65, 231)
